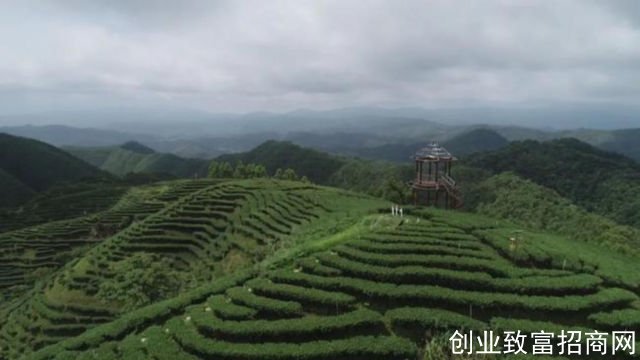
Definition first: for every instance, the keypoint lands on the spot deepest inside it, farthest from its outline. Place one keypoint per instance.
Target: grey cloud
(280, 55)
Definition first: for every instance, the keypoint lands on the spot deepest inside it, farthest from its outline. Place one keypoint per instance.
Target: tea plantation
(196, 230)
(30, 252)
(378, 289)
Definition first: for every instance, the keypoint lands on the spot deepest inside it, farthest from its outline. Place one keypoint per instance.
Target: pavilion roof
(434, 151)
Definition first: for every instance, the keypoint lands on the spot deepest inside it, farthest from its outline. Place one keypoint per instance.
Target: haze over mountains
(366, 132)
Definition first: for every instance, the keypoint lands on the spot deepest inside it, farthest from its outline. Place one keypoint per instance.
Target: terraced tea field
(60, 203)
(376, 293)
(28, 253)
(204, 230)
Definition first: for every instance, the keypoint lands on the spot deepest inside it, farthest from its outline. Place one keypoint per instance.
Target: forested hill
(315, 165)
(473, 141)
(30, 166)
(133, 157)
(600, 181)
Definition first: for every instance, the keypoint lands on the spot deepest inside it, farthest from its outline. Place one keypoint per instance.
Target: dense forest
(599, 181)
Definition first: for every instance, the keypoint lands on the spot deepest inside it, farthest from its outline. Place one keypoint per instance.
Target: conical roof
(434, 151)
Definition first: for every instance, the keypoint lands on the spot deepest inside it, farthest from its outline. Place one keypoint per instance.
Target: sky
(254, 55)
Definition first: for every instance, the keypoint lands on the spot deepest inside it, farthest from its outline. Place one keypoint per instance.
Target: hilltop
(29, 166)
(315, 165)
(134, 157)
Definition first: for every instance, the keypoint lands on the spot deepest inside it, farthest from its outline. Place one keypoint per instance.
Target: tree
(396, 191)
(259, 171)
(305, 179)
(214, 169)
(249, 170)
(241, 171)
(143, 278)
(278, 174)
(290, 174)
(225, 170)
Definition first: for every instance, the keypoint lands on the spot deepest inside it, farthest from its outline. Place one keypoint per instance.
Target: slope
(12, 191)
(30, 252)
(602, 182)
(200, 237)
(315, 165)
(507, 196)
(61, 135)
(380, 290)
(62, 202)
(38, 166)
(475, 141)
(133, 157)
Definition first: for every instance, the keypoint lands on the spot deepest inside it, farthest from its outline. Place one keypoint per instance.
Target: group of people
(396, 210)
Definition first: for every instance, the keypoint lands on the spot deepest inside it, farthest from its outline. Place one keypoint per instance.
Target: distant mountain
(624, 142)
(386, 135)
(600, 181)
(476, 140)
(136, 147)
(133, 157)
(60, 135)
(30, 166)
(315, 165)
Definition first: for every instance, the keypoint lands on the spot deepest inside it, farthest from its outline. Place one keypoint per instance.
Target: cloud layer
(279, 55)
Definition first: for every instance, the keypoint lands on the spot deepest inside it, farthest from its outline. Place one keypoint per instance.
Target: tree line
(224, 170)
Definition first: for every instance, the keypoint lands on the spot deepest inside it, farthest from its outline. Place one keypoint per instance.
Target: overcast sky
(242, 56)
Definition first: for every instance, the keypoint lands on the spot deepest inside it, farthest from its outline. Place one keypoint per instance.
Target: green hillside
(273, 269)
(507, 196)
(315, 165)
(475, 141)
(204, 235)
(62, 202)
(29, 252)
(12, 191)
(133, 157)
(602, 182)
(33, 166)
(376, 290)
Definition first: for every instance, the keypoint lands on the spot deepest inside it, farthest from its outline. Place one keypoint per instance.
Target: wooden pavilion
(433, 184)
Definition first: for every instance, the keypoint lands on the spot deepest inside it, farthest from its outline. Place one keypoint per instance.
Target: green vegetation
(140, 280)
(256, 262)
(61, 202)
(599, 181)
(29, 166)
(315, 165)
(377, 289)
(133, 157)
(507, 196)
(12, 191)
(475, 141)
(201, 230)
